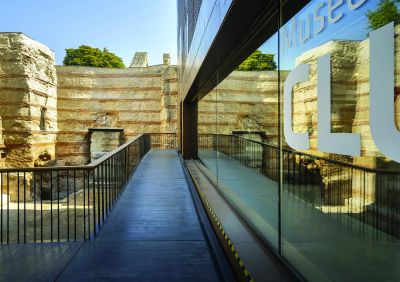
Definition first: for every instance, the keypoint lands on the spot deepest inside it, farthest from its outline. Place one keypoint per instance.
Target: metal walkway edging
(218, 254)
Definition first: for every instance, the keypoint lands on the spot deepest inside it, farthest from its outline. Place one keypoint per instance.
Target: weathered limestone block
(166, 59)
(242, 101)
(89, 79)
(19, 187)
(343, 89)
(139, 60)
(136, 99)
(344, 55)
(28, 99)
(370, 154)
(28, 104)
(104, 140)
(169, 100)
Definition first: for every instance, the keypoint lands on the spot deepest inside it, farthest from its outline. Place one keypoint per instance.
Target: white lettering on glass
(299, 141)
(305, 29)
(337, 143)
(318, 18)
(352, 6)
(331, 8)
(302, 28)
(382, 115)
(290, 40)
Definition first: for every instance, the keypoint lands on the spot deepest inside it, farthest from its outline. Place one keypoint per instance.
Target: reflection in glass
(207, 130)
(246, 139)
(340, 213)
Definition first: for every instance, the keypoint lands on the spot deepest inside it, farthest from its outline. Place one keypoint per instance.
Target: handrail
(63, 203)
(367, 198)
(315, 157)
(98, 161)
(89, 166)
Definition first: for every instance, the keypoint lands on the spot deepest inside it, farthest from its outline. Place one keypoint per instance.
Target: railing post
(34, 206)
(94, 201)
(2, 183)
(74, 206)
(84, 206)
(67, 206)
(104, 179)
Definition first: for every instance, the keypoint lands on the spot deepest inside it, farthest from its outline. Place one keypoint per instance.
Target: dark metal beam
(189, 131)
(246, 26)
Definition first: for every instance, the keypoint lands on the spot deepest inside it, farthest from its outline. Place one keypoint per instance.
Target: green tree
(258, 61)
(386, 12)
(92, 57)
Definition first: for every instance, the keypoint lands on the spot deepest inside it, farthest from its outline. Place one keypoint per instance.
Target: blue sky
(352, 26)
(123, 26)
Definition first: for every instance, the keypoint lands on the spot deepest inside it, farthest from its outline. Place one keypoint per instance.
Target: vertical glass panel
(207, 131)
(248, 131)
(341, 195)
(208, 107)
(238, 126)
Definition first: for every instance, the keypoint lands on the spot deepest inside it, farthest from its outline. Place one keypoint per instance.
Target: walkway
(35, 262)
(153, 234)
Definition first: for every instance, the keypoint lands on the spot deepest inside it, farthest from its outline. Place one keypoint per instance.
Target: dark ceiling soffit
(247, 25)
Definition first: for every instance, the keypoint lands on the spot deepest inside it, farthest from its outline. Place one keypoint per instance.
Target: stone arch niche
(104, 140)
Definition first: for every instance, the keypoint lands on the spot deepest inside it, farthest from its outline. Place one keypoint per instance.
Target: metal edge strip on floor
(218, 255)
(228, 241)
(227, 250)
(292, 270)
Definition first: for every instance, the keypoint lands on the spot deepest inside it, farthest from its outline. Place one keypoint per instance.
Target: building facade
(304, 150)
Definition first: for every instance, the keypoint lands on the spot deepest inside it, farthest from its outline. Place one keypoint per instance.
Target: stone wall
(136, 99)
(169, 107)
(245, 100)
(248, 100)
(343, 91)
(46, 111)
(28, 100)
(34, 106)
(350, 97)
(370, 152)
(104, 140)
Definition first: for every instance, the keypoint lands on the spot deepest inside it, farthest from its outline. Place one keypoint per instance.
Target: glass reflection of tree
(386, 12)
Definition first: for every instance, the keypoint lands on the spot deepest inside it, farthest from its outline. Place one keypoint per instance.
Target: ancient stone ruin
(49, 113)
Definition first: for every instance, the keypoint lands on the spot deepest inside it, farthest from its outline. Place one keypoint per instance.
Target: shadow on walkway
(153, 233)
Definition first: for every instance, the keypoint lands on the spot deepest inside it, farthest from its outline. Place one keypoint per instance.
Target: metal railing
(364, 199)
(69, 203)
(164, 141)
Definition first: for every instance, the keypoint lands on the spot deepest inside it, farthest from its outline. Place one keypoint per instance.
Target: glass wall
(236, 121)
(340, 203)
(311, 120)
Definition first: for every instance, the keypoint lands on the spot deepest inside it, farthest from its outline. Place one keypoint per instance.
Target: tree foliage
(258, 61)
(386, 12)
(92, 57)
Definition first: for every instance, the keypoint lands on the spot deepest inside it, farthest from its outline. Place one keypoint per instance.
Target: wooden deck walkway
(153, 234)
